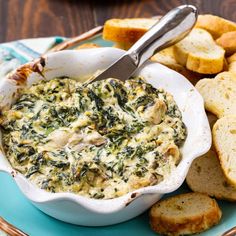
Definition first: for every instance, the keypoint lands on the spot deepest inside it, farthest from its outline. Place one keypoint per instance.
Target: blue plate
(16, 209)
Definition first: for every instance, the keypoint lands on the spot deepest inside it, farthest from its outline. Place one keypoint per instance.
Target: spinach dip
(101, 140)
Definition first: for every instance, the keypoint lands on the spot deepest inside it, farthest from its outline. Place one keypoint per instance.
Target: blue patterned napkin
(13, 54)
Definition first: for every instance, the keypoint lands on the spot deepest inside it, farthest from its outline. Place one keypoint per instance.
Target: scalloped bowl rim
(104, 56)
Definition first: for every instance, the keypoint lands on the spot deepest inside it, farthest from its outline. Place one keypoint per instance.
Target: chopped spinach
(103, 140)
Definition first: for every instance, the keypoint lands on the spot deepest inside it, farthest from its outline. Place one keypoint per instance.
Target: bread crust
(215, 25)
(186, 224)
(127, 30)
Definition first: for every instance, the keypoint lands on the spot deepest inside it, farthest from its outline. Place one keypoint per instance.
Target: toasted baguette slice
(166, 57)
(127, 30)
(219, 94)
(215, 25)
(224, 139)
(199, 53)
(184, 214)
(206, 176)
(228, 42)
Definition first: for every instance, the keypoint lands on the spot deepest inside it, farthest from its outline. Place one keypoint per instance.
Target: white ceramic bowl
(81, 64)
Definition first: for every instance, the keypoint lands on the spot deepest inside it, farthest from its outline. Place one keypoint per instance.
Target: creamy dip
(102, 140)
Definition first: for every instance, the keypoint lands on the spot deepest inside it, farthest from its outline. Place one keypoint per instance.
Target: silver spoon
(172, 27)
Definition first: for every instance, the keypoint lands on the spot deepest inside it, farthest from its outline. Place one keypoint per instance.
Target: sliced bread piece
(166, 57)
(127, 30)
(224, 139)
(215, 25)
(184, 214)
(199, 53)
(219, 94)
(206, 176)
(228, 42)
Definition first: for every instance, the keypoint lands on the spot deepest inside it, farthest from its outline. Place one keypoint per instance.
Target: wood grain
(41, 18)
(30, 18)
(125, 8)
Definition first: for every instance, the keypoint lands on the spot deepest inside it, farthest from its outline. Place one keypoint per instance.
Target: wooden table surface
(40, 18)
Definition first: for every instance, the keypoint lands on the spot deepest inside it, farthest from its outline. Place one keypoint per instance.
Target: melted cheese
(100, 141)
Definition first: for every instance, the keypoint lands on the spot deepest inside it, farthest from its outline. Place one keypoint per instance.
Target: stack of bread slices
(207, 57)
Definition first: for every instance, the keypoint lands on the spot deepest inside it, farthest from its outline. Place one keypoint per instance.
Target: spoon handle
(172, 27)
